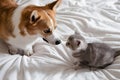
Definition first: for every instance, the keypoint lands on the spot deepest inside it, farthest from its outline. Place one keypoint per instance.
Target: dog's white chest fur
(23, 42)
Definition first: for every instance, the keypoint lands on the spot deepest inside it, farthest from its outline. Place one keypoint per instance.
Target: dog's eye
(47, 31)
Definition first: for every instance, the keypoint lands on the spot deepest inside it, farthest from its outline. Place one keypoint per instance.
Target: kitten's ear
(76, 32)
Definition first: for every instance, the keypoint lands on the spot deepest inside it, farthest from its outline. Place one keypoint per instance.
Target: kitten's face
(72, 42)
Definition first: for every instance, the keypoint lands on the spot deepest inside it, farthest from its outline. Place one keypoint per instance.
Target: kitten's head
(76, 41)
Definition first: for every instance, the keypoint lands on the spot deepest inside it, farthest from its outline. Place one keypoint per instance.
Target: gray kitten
(93, 55)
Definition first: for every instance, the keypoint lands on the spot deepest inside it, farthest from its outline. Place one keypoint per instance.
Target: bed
(96, 20)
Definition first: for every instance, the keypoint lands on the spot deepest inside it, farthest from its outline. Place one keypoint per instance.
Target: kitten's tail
(117, 53)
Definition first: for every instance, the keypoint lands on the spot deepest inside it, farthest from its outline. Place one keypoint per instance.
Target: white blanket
(96, 20)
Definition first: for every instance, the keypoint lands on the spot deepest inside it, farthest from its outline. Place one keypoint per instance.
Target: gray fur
(94, 55)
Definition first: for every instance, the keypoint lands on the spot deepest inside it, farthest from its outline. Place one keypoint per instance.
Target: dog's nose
(57, 42)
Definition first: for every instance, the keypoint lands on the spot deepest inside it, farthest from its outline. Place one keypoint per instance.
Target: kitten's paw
(76, 66)
(75, 63)
(93, 69)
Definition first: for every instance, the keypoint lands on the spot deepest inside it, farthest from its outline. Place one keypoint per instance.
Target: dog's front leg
(14, 50)
(24, 51)
(29, 50)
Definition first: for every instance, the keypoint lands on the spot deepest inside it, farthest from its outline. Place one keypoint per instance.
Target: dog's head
(40, 20)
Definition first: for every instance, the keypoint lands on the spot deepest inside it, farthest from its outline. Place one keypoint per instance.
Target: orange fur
(19, 23)
(41, 24)
(6, 9)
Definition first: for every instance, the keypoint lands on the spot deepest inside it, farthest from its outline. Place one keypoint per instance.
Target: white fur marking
(51, 21)
(16, 17)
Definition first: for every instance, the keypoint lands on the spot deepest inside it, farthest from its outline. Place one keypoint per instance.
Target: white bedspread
(97, 20)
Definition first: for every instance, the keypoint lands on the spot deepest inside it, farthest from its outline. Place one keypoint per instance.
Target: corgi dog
(22, 25)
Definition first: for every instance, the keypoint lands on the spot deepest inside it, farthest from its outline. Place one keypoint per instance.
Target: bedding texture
(96, 20)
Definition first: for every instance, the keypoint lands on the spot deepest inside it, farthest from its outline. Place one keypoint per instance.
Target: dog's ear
(54, 4)
(34, 16)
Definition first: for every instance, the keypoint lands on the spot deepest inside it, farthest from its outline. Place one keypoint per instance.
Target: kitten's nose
(57, 42)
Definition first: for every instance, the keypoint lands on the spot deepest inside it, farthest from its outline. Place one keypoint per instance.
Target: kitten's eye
(67, 44)
(47, 30)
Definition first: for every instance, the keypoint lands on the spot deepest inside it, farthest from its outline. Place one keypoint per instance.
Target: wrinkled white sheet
(97, 20)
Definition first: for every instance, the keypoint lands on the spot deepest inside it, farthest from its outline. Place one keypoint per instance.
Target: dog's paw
(12, 51)
(29, 52)
(21, 52)
(76, 67)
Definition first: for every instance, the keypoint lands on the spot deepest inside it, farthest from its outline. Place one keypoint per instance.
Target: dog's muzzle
(56, 41)
(45, 40)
